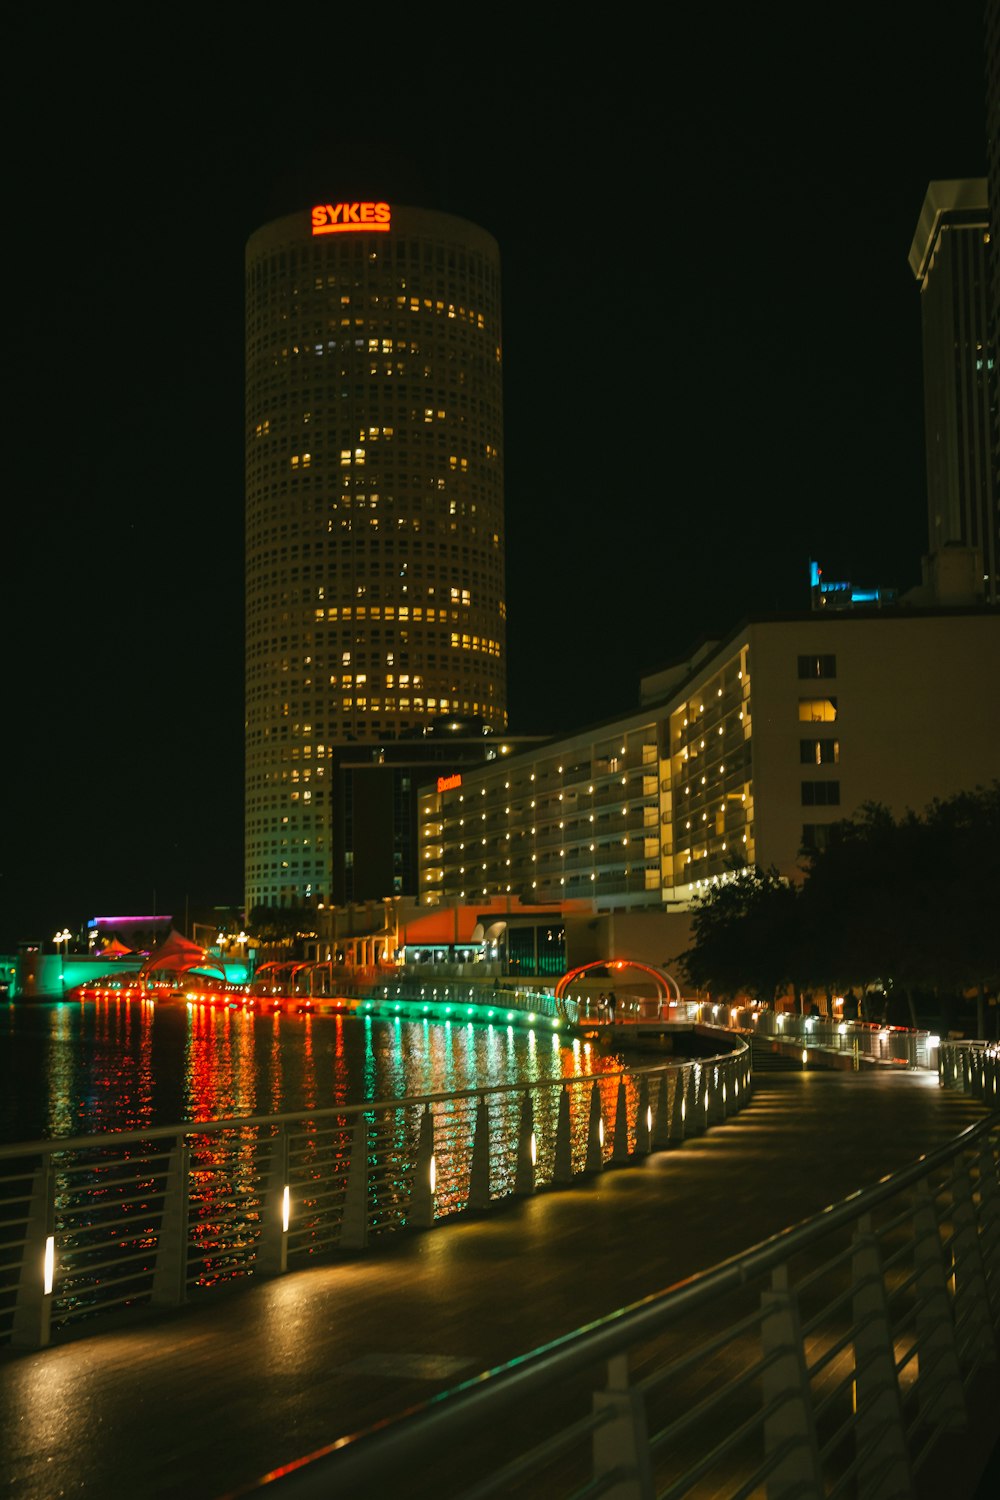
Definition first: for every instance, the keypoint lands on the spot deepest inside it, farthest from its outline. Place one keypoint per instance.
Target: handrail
(131, 1218)
(49, 1144)
(360, 1458)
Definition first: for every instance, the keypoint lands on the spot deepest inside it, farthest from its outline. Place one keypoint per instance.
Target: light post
(62, 937)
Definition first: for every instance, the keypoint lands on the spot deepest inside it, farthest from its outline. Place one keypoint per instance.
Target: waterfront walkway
(201, 1402)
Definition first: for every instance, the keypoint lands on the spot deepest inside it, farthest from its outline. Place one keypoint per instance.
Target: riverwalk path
(200, 1402)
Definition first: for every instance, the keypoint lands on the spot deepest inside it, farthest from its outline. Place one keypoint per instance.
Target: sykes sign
(347, 218)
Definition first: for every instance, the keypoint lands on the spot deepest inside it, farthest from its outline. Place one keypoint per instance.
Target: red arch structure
(612, 964)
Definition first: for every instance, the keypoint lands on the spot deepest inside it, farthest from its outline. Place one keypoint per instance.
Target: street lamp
(62, 937)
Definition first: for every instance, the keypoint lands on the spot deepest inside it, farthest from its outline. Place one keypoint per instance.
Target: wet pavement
(200, 1402)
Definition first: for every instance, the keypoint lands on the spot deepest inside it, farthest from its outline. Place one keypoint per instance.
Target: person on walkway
(611, 1004)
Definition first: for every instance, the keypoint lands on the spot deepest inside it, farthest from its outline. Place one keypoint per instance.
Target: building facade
(950, 259)
(374, 509)
(747, 751)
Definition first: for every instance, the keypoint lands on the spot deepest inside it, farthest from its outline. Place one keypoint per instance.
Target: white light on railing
(534, 1150)
(600, 1131)
(842, 1029)
(649, 1117)
(286, 1208)
(683, 1108)
(933, 1041)
(805, 1056)
(49, 1265)
(433, 1173)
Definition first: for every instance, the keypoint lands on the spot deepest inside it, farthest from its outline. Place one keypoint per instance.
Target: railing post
(563, 1171)
(479, 1176)
(619, 1148)
(354, 1224)
(275, 1208)
(524, 1180)
(424, 1174)
(973, 1321)
(694, 1117)
(32, 1326)
(678, 1109)
(717, 1088)
(939, 1379)
(170, 1276)
(883, 1461)
(643, 1119)
(704, 1099)
(595, 1133)
(989, 1221)
(789, 1426)
(661, 1115)
(621, 1443)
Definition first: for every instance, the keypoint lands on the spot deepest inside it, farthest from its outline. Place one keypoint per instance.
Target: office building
(374, 510)
(748, 750)
(950, 258)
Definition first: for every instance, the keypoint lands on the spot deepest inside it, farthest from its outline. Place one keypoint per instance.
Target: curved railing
(98, 1223)
(828, 1360)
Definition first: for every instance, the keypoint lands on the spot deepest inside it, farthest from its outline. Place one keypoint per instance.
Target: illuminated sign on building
(448, 783)
(348, 218)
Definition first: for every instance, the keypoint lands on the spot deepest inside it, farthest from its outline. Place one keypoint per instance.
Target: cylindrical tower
(374, 507)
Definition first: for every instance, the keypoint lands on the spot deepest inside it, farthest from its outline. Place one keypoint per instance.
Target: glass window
(823, 752)
(821, 794)
(817, 666)
(817, 710)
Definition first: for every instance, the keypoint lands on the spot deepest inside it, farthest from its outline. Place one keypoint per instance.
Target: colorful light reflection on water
(70, 1069)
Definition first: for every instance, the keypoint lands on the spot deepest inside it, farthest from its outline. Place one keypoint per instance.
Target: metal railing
(972, 1067)
(99, 1223)
(881, 1044)
(826, 1361)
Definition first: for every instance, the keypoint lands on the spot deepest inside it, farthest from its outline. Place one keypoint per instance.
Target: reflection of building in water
(374, 511)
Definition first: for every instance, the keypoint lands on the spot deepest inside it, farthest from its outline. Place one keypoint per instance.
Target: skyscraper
(374, 508)
(949, 258)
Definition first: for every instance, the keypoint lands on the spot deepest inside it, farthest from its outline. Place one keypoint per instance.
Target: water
(81, 1068)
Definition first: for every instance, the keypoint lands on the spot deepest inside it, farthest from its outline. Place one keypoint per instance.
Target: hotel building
(374, 509)
(748, 750)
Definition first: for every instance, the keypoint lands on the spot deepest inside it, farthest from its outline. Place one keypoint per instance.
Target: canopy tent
(176, 955)
(114, 949)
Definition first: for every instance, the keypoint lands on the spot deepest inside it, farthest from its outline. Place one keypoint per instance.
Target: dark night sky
(712, 365)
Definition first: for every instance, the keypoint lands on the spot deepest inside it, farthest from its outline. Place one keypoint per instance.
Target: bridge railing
(881, 1044)
(828, 1360)
(972, 1067)
(96, 1224)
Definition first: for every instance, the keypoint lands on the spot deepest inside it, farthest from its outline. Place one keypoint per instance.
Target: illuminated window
(822, 752)
(817, 710)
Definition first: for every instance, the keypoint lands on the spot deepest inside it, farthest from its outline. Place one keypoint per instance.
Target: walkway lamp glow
(49, 1265)
(433, 1173)
(534, 1150)
(286, 1208)
(600, 1131)
(805, 1056)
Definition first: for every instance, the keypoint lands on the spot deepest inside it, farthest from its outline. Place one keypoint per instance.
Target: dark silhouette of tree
(747, 938)
(901, 905)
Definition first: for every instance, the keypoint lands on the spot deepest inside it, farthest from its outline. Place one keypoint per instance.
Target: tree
(747, 936)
